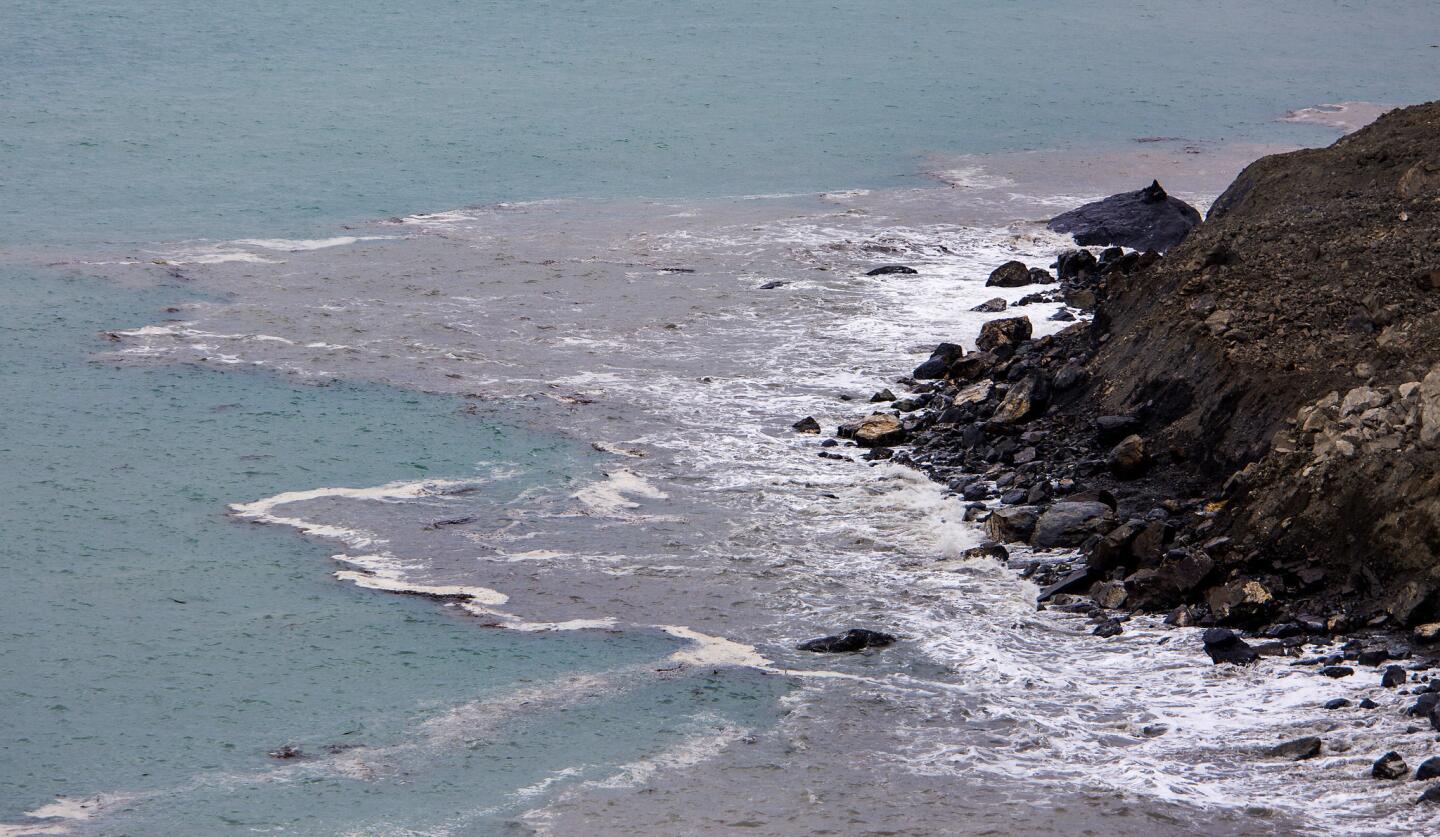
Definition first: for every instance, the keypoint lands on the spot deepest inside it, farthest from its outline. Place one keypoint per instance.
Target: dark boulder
(772, 285)
(1008, 332)
(1071, 523)
(855, 639)
(1111, 429)
(1337, 703)
(1108, 628)
(991, 306)
(1146, 219)
(286, 752)
(882, 396)
(1394, 676)
(1389, 766)
(1024, 401)
(807, 425)
(940, 360)
(1428, 769)
(1011, 274)
(1430, 796)
(1337, 671)
(1301, 748)
(1075, 264)
(1224, 646)
(887, 269)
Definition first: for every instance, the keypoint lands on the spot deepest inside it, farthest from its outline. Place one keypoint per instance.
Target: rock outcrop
(1146, 219)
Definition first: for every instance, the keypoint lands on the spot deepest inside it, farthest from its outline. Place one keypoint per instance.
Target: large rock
(1128, 459)
(879, 430)
(1013, 525)
(1241, 602)
(1146, 219)
(1301, 748)
(1023, 402)
(1223, 646)
(1071, 523)
(940, 360)
(887, 269)
(1007, 332)
(1011, 274)
(855, 639)
(1389, 766)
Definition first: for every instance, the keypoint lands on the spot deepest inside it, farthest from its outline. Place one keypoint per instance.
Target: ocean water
(397, 384)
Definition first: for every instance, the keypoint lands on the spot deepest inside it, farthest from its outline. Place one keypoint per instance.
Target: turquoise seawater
(162, 119)
(151, 645)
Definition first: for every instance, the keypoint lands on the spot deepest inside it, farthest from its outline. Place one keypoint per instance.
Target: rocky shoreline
(1245, 433)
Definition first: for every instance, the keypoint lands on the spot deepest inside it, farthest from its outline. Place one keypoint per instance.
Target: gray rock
(1012, 525)
(1389, 766)
(1301, 748)
(1071, 522)
(1011, 274)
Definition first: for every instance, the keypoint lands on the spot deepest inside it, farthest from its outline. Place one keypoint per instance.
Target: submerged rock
(807, 425)
(887, 269)
(1108, 628)
(1297, 750)
(1224, 646)
(855, 639)
(1389, 766)
(1146, 219)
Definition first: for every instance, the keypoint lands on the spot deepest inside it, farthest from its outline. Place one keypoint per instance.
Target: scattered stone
(1428, 769)
(1431, 795)
(991, 306)
(1224, 646)
(1373, 656)
(1241, 602)
(772, 285)
(1108, 628)
(807, 425)
(1394, 676)
(1297, 750)
(1390, 766)
(887, 269)
(1367, 703)
(1024, 401)
(882, 396)
(855, 639)
(1063, 315)
(1336, 703)
(990, 550)
(1427, 633)
(1337, 671)
(1108, 594)
(286, 752)
(1011, 274)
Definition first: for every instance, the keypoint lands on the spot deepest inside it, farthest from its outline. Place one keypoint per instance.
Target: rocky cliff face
(1282, 363)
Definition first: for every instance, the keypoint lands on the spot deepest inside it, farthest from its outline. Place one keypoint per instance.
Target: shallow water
(243, 412)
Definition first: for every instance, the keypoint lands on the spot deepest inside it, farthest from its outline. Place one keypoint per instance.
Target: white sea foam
(1347, 117)
(297, 245)
(611, 496)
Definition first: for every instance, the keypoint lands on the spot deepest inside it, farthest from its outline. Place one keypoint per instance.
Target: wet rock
(1394, 676)
(1373, 656)
(878, 430)
(940, 360)
(1428, 769)
(1224, 646)
(1128, 460)
(1108, 628)
(1075, 264)
(1337, 671)
(1430, 796)
(1241, 602)
(1003, 333)
(1063, 315)
(1012, 525)
(1074, 581)
(807, 425)
(1070, 523)
(1367, 703)
(991, 306)
(887, 269)
(286, 752)
(1427, 633)
(1147, 219)
(993, 551)
(1183, 617)
(855, 639)
(1336, 703)
(882, 396)
(772, 285)
(1011, 274)
(1389, 766)
(1297, 750)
